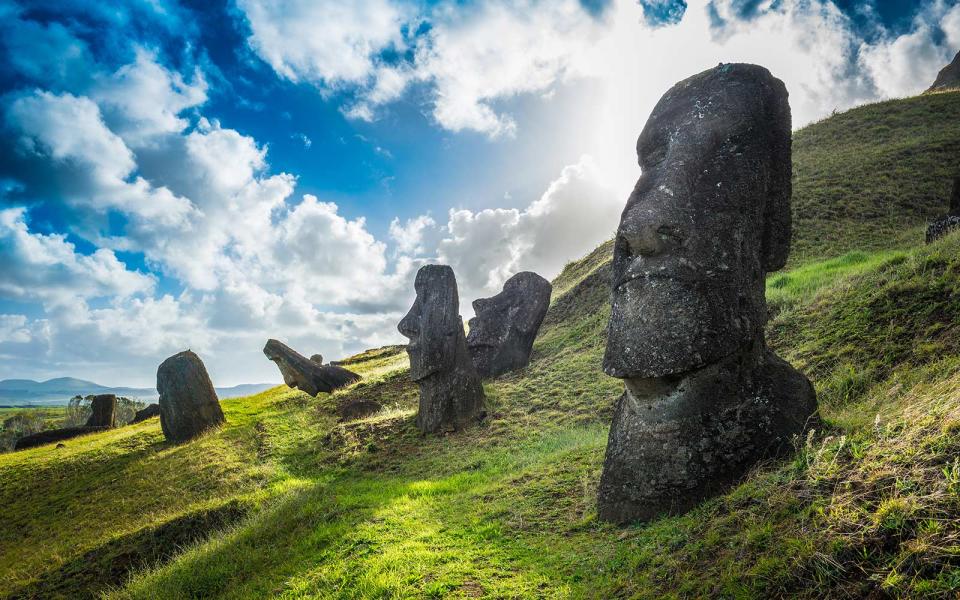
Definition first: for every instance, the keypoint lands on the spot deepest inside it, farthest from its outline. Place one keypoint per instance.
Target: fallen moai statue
(54, 435)
(153, 410)
(304, 374)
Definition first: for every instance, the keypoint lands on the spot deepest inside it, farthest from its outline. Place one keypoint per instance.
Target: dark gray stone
(317, 358)
(153, 410)
(949, 76)
(104, 411)
(948, 222)
(704, 398)
(358, 409)
(188, 403)
(502, 332)
(451, 395)
(307, 375)
(54, 435)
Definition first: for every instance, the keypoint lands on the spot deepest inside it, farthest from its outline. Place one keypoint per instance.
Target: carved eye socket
(622, 247)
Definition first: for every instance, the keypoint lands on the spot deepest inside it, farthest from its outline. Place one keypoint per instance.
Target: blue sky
(210, 174)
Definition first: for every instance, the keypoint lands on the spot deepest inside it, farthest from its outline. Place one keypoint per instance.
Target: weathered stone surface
(104, 411)
(949, 76)
(358, 409)
(451, 395)
(948, 222)
(150, 411)
(502, 332)
(317, 358)
(704, 398)
(188, 403)
(54, 435)
(307, 375)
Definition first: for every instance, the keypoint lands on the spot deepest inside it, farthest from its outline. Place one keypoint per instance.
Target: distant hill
(26, 392)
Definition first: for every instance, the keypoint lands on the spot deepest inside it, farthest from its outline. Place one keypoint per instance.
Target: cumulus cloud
(48, 267)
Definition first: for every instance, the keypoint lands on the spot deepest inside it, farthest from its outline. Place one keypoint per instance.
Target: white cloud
(326, 42)
(49, 268)
(143, 100)
(409, 237)
(13, 329)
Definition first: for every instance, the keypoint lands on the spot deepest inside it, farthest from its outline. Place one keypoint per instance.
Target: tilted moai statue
(710, 216)
(502, 332)
(188, 403)
(104, 407)
(451, 395)
(310, 376)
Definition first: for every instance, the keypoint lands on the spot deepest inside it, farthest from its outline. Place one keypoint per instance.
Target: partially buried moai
(502, 332)
(188, 403)
(451, 395)
(704, 398)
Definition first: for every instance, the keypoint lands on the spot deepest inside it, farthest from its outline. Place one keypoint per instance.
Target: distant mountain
(26, 392)
(949, 76)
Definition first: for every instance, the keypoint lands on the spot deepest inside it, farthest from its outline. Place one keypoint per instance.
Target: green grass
(285, 501)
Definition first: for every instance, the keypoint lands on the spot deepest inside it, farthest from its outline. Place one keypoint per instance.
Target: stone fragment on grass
(358, 409)
(153, 410)
(505, 326)
(304, 374)
(948, 222)
(451, 394)
(188, 402)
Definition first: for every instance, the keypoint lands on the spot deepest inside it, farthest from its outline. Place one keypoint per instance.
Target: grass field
(285, 501)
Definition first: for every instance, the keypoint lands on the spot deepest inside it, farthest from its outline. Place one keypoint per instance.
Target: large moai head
(433, 322)
(188, 402)
(505, 326)
(708, 218)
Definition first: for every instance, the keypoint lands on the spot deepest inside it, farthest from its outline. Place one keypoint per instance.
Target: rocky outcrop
(304, 374)
(153, 410)
(188, 403)
(704, 398)
(948, 77)
(451, 395)
(505, 326)
(104, 411)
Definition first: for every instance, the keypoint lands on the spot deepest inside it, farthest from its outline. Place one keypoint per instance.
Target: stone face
(949, 76)
(153, 410)
(948, 222)
(502, 332)
(188, 402)
(704, 398)
(307, 375)
(451, 395)
(104, 411)
(317, 358)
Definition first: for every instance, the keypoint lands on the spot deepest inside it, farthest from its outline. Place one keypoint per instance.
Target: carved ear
(777, 219)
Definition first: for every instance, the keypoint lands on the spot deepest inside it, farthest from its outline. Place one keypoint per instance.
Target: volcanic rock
(104, 411)
(949, 76)
(152, 410)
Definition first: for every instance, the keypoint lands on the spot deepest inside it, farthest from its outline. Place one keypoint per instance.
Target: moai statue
(948, 222)
(502, 332)
(704, 398)
(310, 376)
(188, 402)
(451, 395)
(104, 411)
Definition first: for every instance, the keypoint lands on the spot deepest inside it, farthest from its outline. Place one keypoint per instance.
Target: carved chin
(664, 327)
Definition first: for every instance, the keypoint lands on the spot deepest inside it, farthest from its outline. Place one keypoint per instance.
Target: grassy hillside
(871, 178)
(286, 501)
